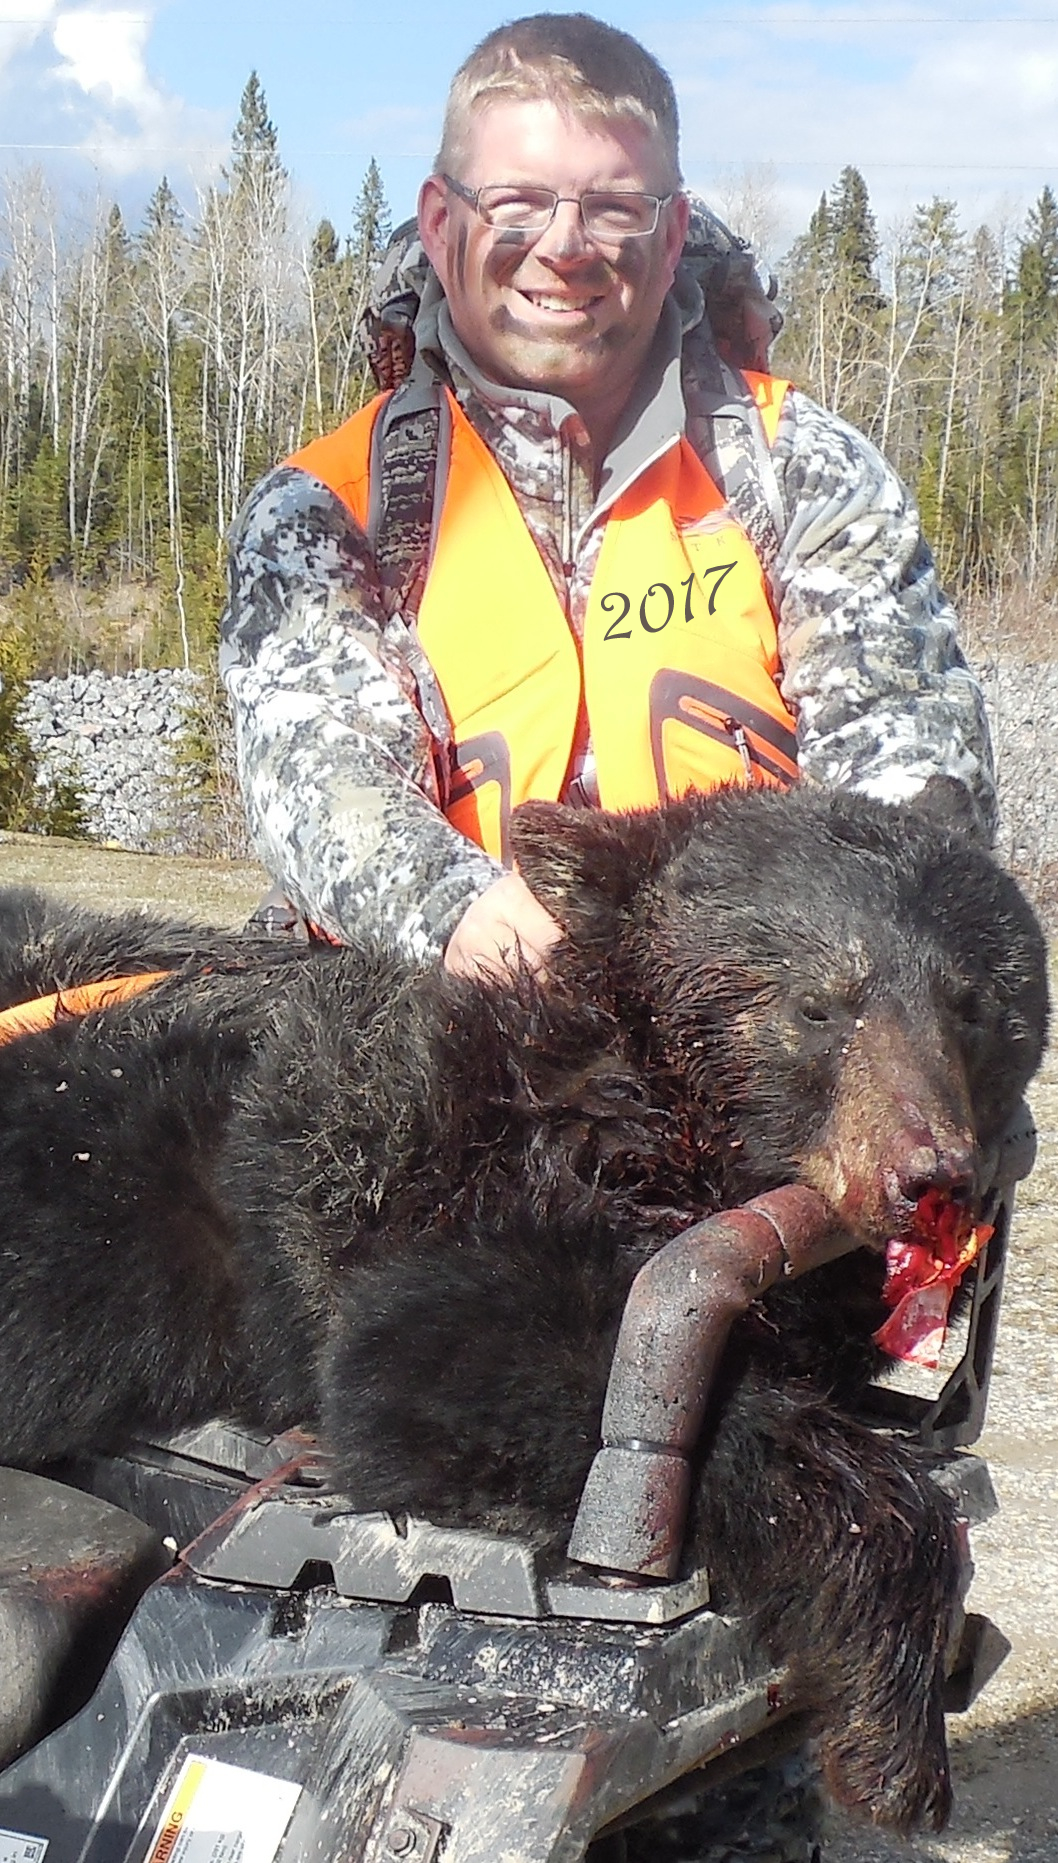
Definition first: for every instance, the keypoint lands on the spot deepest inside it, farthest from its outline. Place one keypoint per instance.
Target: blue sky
(940, 97)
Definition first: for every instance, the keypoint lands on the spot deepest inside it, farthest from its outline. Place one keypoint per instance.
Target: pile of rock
(120, 740)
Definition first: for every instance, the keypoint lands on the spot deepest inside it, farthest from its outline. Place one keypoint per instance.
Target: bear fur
(297, 1185)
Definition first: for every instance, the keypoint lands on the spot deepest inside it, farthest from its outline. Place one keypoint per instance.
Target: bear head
(857, 991)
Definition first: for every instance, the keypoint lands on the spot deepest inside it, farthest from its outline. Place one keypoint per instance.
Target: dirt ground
(1006, 1747)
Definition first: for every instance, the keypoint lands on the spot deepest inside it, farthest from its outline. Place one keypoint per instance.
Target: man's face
(555, 311)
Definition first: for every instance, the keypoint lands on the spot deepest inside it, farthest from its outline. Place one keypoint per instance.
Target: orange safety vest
(679, 658)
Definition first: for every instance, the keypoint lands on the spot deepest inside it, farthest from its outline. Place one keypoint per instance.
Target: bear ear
(583, 865)
(946, 803)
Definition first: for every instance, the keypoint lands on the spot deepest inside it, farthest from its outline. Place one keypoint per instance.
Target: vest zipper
(741, 741)
(566, 547)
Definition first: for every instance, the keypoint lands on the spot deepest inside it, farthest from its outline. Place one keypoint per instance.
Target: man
(586, 612)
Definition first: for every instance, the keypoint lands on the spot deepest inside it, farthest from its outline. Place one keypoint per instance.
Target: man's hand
(504, 923)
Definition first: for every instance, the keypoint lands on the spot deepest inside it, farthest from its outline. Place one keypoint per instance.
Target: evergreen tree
(1029, 456)
(324, 247)
(803, 275)
(819, 230)
(832, 300)
(255, 140)
(853, 238)
(808, 259)
(344, 292)
(164, 216)
(1036, 289)
(163, 291)
(248, 265)
(934, 258)
(372, 224)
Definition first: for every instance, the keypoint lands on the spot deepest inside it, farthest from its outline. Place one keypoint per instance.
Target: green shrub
(26, 806)
(206, 778)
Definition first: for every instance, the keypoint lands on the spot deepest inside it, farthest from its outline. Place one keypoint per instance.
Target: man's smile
(560, 304)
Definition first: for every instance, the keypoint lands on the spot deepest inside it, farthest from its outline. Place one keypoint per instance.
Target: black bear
(328, 1186)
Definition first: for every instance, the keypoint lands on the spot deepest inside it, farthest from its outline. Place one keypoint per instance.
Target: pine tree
(832, 300)
(819, 229)
(163, 286)
(1036, 289)
(809, 257)
(249, 266)
(324, 247)
(255, 140)
(164, 215)
(372, 224)
(853, 238)
(935, 257)
(1029, 457)
(804, 272)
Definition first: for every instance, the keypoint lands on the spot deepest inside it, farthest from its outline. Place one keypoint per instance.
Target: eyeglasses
(607, 217)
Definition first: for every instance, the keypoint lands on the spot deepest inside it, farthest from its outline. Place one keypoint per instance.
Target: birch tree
(163, 281)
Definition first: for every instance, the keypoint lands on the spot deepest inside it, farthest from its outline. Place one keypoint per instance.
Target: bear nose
(933, 1164)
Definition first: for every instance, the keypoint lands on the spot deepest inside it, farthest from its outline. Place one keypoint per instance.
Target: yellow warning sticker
(217, 1813)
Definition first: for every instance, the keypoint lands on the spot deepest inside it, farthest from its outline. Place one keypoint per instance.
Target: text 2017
(659, 603)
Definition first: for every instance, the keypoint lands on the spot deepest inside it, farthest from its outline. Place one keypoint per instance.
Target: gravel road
(1006, 1747)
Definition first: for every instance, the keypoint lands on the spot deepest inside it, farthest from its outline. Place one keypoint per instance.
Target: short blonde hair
(568, 59)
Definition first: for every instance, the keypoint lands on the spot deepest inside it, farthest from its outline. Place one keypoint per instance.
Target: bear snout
(901, 1126)
(917, 1164)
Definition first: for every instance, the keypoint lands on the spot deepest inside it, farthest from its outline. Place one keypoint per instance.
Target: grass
(220, 892)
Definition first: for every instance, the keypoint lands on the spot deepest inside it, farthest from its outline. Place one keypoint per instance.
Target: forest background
(148, 376)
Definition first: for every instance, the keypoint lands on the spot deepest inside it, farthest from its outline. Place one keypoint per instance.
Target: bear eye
(814, 1009)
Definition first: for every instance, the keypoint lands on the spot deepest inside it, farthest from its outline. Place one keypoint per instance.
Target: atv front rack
(392, 1689)
(419, 1687)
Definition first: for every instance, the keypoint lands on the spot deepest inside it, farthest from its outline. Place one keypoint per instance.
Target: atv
(207, 1657)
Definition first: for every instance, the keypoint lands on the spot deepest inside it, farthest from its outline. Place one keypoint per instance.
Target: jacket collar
(653, 420)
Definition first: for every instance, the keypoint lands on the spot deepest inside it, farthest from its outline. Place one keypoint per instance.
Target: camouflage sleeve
(867, 638)
(335, 760)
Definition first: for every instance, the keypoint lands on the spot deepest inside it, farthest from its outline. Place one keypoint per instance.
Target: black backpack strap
(410, 447)
(409, 460)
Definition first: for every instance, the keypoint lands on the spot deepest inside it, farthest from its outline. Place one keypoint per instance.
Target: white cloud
(921, 102)
(103, 55)
(125, 121)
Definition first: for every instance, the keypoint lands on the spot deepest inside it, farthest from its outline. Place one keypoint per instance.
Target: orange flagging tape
(44, 1011)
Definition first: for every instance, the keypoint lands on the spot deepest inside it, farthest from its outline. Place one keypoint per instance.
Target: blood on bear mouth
(923, 1268)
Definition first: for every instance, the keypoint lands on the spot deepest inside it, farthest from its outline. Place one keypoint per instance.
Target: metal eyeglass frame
(472, 196)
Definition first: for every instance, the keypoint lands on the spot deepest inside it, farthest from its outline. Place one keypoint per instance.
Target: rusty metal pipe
(679, 1312)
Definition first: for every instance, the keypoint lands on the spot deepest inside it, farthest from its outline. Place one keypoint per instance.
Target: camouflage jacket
(338, 719)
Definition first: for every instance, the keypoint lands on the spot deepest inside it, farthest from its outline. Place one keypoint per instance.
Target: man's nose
(564, 240)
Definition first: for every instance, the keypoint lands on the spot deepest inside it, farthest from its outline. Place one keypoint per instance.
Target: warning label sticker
(17, 1847)
(218, 1814)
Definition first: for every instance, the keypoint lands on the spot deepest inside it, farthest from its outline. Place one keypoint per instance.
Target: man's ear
(678, 215)
(583, 865)
(433, 224)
